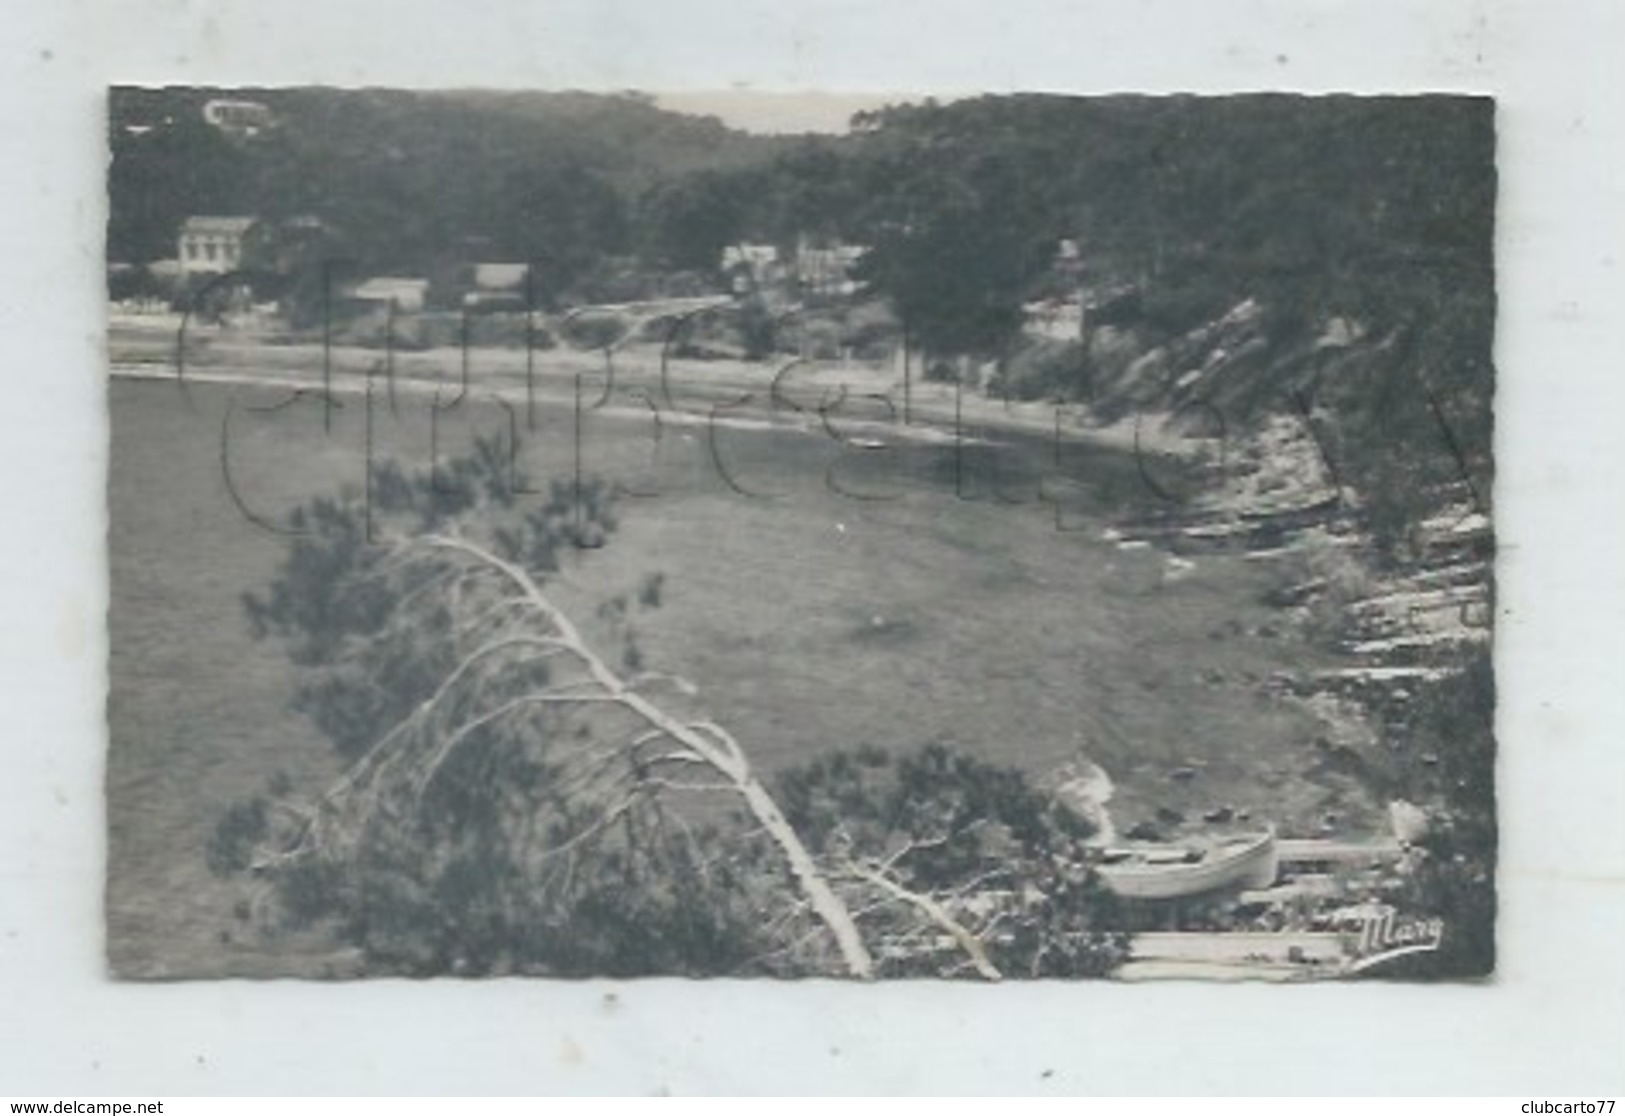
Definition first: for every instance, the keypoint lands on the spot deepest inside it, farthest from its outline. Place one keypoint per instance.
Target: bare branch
(936, 912)
(672, 784)
(419, 745)
(677, 757)
(707, 740)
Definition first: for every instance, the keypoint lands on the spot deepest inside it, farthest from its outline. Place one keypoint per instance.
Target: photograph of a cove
(1000, 537)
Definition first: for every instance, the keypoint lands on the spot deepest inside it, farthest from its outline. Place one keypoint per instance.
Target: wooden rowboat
(1174, 872)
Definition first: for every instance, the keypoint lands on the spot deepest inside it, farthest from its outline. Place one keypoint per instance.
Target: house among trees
(238, 118)
(408, 294)
(495, 286)
(827, 270)
(751, 267)
(213, 245)
(810, 270)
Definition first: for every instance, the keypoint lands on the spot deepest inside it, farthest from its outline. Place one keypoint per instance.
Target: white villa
(212, 245)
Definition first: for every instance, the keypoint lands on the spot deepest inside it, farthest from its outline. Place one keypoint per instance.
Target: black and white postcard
(983, 537)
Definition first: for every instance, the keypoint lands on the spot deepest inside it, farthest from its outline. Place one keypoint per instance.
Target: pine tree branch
(707, 740)
(933, 910)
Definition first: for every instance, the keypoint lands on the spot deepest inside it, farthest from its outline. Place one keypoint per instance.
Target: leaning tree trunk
(410, 754)
(709, 743)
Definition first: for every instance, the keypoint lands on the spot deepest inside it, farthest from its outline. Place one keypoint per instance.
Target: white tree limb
(707, 740)
(936, 912)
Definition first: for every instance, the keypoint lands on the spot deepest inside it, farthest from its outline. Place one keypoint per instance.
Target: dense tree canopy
(1344, 204)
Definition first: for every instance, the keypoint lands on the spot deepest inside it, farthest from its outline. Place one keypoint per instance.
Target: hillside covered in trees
(1371, 217)
(1361, 206)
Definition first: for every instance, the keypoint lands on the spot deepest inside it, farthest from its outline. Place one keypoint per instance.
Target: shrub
(1044, 369)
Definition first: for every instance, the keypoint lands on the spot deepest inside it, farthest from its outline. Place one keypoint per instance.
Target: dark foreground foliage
(1005, 858)
(502, 813)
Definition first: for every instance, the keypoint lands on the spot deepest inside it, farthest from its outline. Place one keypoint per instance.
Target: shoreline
(797, 393)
